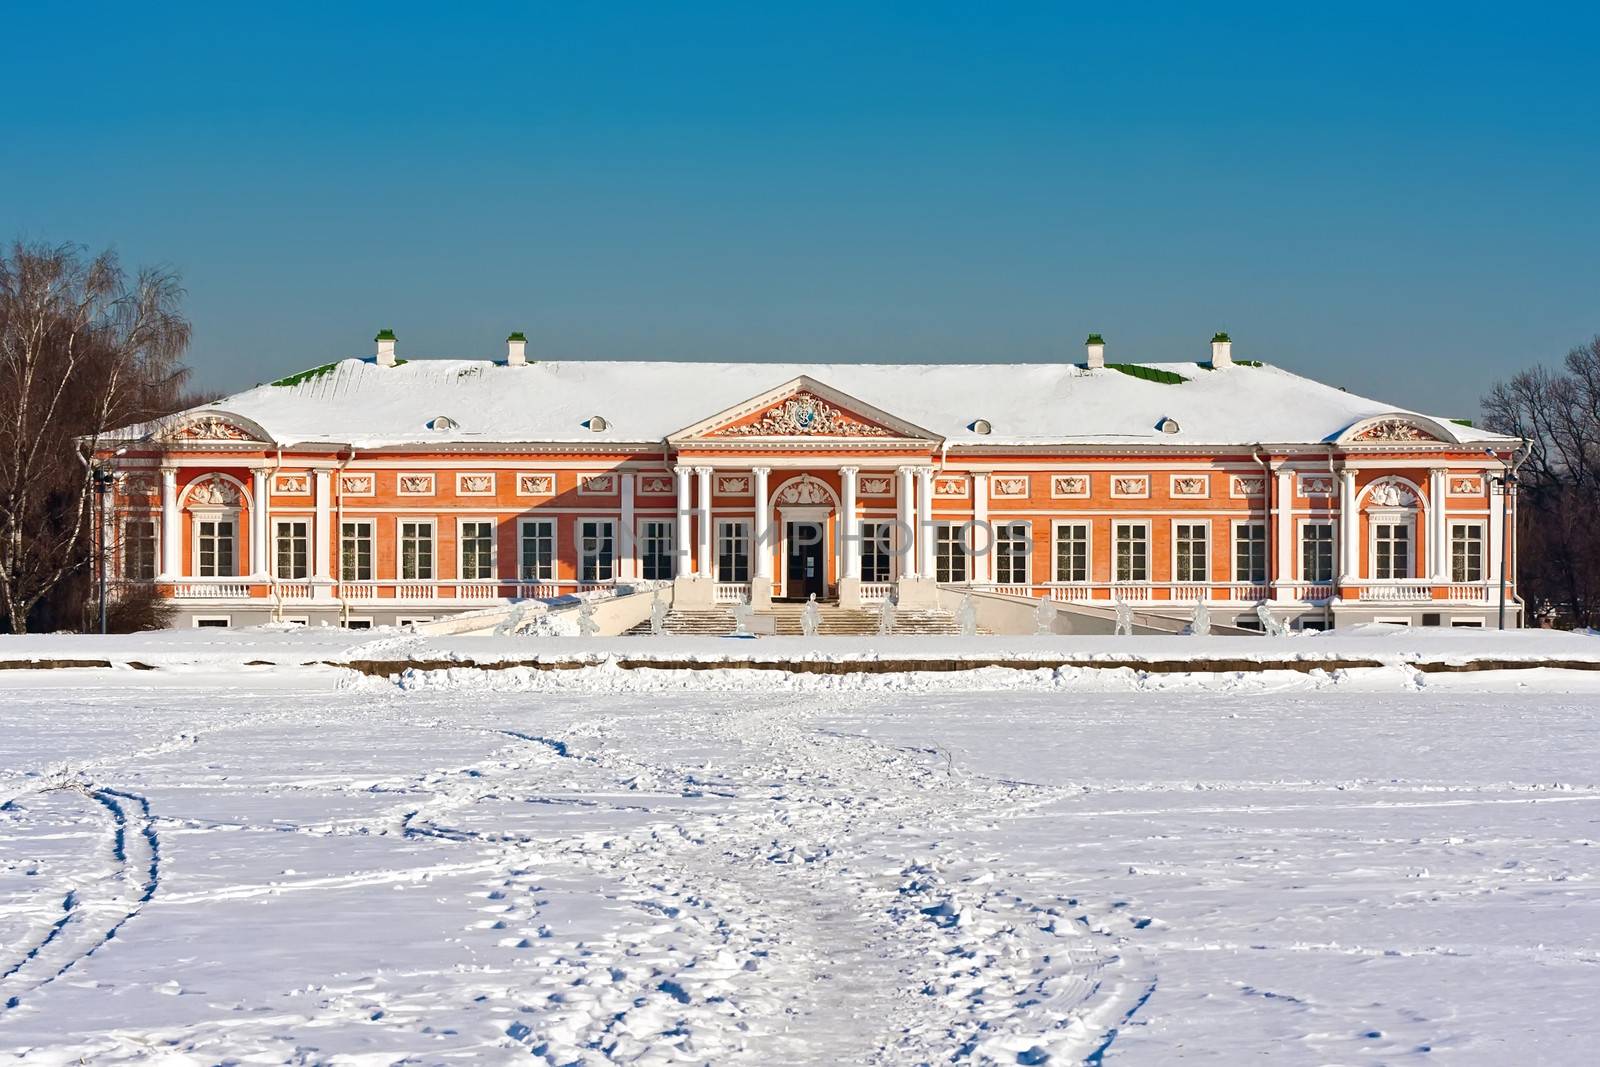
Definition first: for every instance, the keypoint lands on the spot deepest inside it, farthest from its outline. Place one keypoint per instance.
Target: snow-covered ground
(268, 864)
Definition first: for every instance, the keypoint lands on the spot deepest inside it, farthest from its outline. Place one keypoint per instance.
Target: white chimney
(517, 350)
(385, 341)
(1095, 348)
(1221, 350)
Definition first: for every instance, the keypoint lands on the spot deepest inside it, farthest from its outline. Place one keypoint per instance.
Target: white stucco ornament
(214, 490)
(805, 415)
(1391, 495)
(805, 490)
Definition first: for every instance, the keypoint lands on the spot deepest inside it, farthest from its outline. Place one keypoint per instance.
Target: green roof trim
(305, 376)
(1222, 337)
(1149, 374)
(1462, 422)
(385, 335)
(518, 336)
(1095, 339)
(1248, 363)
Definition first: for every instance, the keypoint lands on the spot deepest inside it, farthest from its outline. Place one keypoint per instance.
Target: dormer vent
(443, 424)
(982, 426)
(1168, 424)
(598, 423)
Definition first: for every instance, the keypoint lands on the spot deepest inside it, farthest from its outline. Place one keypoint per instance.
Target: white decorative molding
(1069, 485)
(1393, 430)
(415, 485)
(215, 490)
(1190, 485)
(476, 483)
(597, 485)
(951, 485)
(291, 485)
(137, 485)
(208, 428)
(358, 484)
(805, 490)
(1391, 494)
(1009, 486)
(536, 484)
(1130, 485)
(1316, 485)
(656, 483)
(733, 485)
(804, 415)
(875, 485)
(1464, 485)
(1247, 485)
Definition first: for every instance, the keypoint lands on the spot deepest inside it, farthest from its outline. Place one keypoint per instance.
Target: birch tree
(84, 349)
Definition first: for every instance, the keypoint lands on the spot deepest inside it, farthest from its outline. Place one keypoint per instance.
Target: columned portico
(906, 521)
(683, 538)
(849, 540)
(703, 541)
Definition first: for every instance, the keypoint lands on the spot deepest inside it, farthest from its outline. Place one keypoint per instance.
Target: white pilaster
(683, 537)
(849, 525)
(627, 548)
(322, 530)
(1497, 523)
(171, 526)
(906, 535)
(703, 519)
(981, 548)
(1438, 527)
(1349, 526)
(761, 532)
(925, 565)
(258, 520)
(1282, 531)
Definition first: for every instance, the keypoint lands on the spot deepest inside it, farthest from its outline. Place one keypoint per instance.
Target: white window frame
(958, 540)
(641, 541)
(1300, 554)
(196, 518)
(1116, 550)
(280, 521)
(887, 544)
(1483, 549)
(1407, 519)
(616, 548)
(1056, 526)
(400, 549)
(1466, 624)
(1234, 541)
(523, 523)
(372, 549)
(461, 547)
(155, 545)
(745, 526)
(1206, 578)
(1027, 555)
(350, 623)
(209, 622)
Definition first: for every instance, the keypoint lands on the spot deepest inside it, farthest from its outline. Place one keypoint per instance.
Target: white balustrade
(415, 590)
(876, 592)
(1396, 591)
(538, 590)
(291, 590)
(730, 592)
(358, 590)
(477, 590)
(210, 589)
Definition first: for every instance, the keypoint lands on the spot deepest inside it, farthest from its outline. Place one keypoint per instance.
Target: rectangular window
(1392, 550)
(355, 551)
(733, 551)
(536, 551)
(215, 548)
(950, 552)
(1316, 552)
(597, 550)
(1133, 552)
(477, 549)
(292, 538)
(657, 555)
(1193, 555)
(1072, 552)
(139, 550)
(1250, 552)
(1466, 552)
(875, 541)
(1013, 544)
(416, 551)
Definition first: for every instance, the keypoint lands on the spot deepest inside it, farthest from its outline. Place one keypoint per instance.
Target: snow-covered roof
(478, 402)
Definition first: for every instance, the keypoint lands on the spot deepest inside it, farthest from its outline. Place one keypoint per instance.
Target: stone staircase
(835, 622)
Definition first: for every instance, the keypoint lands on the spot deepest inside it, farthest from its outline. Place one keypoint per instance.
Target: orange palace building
(384, 490)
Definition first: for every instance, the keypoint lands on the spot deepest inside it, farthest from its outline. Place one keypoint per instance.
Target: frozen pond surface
(285, 866)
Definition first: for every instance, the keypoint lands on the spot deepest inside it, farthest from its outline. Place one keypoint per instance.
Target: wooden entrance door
(806, 563)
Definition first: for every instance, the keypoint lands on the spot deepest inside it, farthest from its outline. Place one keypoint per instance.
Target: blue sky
(1397, 199)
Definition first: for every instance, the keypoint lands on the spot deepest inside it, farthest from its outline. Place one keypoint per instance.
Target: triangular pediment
(208, 427)
(804, 409)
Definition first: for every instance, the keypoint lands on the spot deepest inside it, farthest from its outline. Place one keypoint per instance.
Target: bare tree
(1558, 535)
(83, 349)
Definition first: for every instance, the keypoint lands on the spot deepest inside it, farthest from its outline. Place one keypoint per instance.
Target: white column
(1281, 529)
(703, 538)
(906, 536)
(1497, 523)
(683, 536)
(171, 526)
(322, 530)
(1438, 527)
(1349, 525)
(258, 521)
(925, 565)
(761, 532)
(849, 525)
(627, 549)
(982, 541)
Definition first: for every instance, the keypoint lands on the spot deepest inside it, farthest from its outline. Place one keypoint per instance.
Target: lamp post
(102, 488)
(1505, 485)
